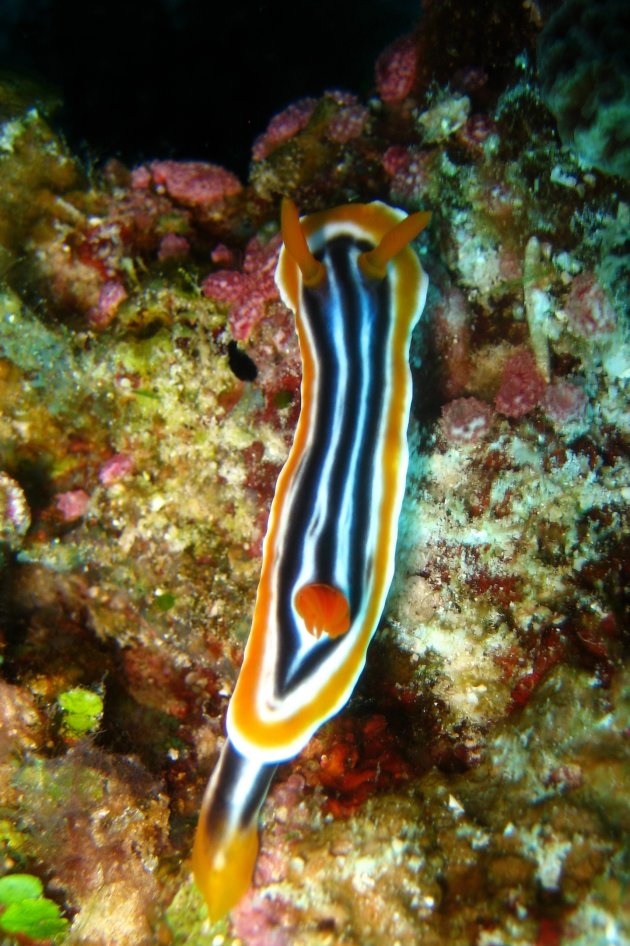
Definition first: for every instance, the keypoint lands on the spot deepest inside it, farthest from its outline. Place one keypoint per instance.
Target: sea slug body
(357, 290)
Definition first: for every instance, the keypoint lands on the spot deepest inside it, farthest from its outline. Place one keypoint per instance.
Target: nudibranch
(357, 289)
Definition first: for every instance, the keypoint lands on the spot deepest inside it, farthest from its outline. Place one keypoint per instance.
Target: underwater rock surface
(475, 791)
(584, 66)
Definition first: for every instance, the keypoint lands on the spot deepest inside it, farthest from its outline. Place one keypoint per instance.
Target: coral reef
(475, 790)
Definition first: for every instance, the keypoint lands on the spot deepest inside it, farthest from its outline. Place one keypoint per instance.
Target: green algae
(17, 887)
(82, 710)
(27, 912)
(38, 919)
(165, 601)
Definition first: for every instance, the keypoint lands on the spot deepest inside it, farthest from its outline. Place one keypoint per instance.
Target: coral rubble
(475, 790)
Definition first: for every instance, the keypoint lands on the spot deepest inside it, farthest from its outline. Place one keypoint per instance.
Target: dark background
(192, 78)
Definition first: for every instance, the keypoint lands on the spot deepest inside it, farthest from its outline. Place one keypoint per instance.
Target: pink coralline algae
(84, 267)
(110, 297)
(222, 255)
(283, 126)
(226, 286)
(72, 505)
(452, 319)
(565, 402)
(469, 79)
(476, 130)
(466, 420)
(397, 70)
(247, 292)
(141, 177)
(287, 795)
(194, 184)
(348, 123)
(588, 310)
(521, 388)
(263, 921)
(116, 468)
(173, 246)
(273, 346)
(407, 169)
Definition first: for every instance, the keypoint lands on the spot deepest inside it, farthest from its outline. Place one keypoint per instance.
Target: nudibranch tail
(226, 841)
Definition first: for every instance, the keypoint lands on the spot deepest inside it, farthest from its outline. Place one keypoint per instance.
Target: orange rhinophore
(374, 262)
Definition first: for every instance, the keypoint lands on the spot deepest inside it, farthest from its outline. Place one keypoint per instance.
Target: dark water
(192, 78)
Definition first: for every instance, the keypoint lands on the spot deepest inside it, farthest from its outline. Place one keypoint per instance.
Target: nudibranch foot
(226, 841)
